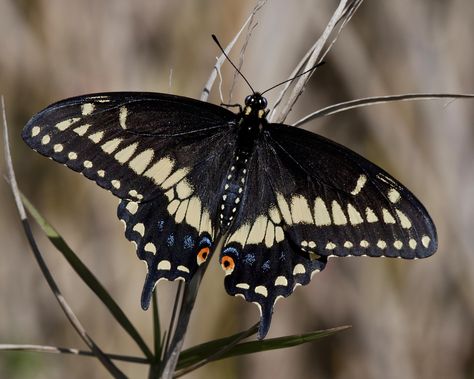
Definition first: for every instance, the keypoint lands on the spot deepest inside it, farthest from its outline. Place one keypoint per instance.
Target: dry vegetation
(410, 319)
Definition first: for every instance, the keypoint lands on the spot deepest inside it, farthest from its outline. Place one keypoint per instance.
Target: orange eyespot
(202, 255)
(227, 264)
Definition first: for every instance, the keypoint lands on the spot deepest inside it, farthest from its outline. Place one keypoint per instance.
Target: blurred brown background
(411, 319)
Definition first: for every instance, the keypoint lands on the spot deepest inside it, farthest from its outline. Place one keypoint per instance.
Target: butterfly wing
(308, 198)
(163, 155)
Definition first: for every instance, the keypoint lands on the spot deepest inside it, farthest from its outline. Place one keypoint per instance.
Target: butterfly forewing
(118, 139)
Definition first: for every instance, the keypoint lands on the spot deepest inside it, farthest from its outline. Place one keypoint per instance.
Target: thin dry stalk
(313, 56)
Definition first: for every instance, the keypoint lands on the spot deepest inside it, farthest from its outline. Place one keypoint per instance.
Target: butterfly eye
(202, 255)
(248, 100)
(227, 264)
(262, 102)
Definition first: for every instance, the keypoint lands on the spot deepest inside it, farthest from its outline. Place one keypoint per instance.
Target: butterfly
(190, 174)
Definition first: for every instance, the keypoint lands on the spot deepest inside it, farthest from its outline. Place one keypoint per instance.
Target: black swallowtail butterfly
(190, 173)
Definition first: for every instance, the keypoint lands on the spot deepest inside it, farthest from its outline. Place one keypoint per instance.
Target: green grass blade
(202, 352)
(88, 277)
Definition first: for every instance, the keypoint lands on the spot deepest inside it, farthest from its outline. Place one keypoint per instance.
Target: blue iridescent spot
(266, 266)
(231, 251)
(206, 241)
(161, 225)
(170, 240)
(249, 259)
(188, 242)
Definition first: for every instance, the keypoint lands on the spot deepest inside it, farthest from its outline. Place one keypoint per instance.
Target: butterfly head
(255, 104)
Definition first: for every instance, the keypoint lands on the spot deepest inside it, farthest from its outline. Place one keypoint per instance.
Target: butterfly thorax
(251, 123)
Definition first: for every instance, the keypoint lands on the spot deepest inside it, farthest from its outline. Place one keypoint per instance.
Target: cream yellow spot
(321, 213)
(269, 234)
(300, 212)
(183, 268)
(141, 161)
(96, 137)
(35, 130)
(262, 290)
(139, 228)
(164, 265)
(63, 125)
(160, 170)
(240, 235)
(393, 195)
(193, 213)
(87, 109)
(184, 189)
(299, 269)
(354, 216)
(381, 244)
(284, 209)
(412, 244)
(72, 155)
(123, 117)
(110, 146)
(81, 130)
(205, 225)
(150, 247)
(274, 215)
(125, 154)
(348, 244)
(101, 173)
(181, 212)
(45, 140)
(330, 246)
(87, 164)
(243, 286)
(281, 281)
(116, 183)
(132, 207)
(173, 206)
(370, 215)
(398, 244)
(279, 234)
(337, 214)
(58, 148)
(359, 185)
(364, 243)
(257, 233)
(387, 217)
(425, 240)
(174, 178)
(170, 194)
(404, 220)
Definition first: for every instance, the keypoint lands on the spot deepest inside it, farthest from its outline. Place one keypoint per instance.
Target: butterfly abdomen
(250, 127)
(233, 189)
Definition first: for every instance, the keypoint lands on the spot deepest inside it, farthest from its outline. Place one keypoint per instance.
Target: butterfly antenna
(232, 63)
(294, 77)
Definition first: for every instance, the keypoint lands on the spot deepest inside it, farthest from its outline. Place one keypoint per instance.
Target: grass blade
(202, 352)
